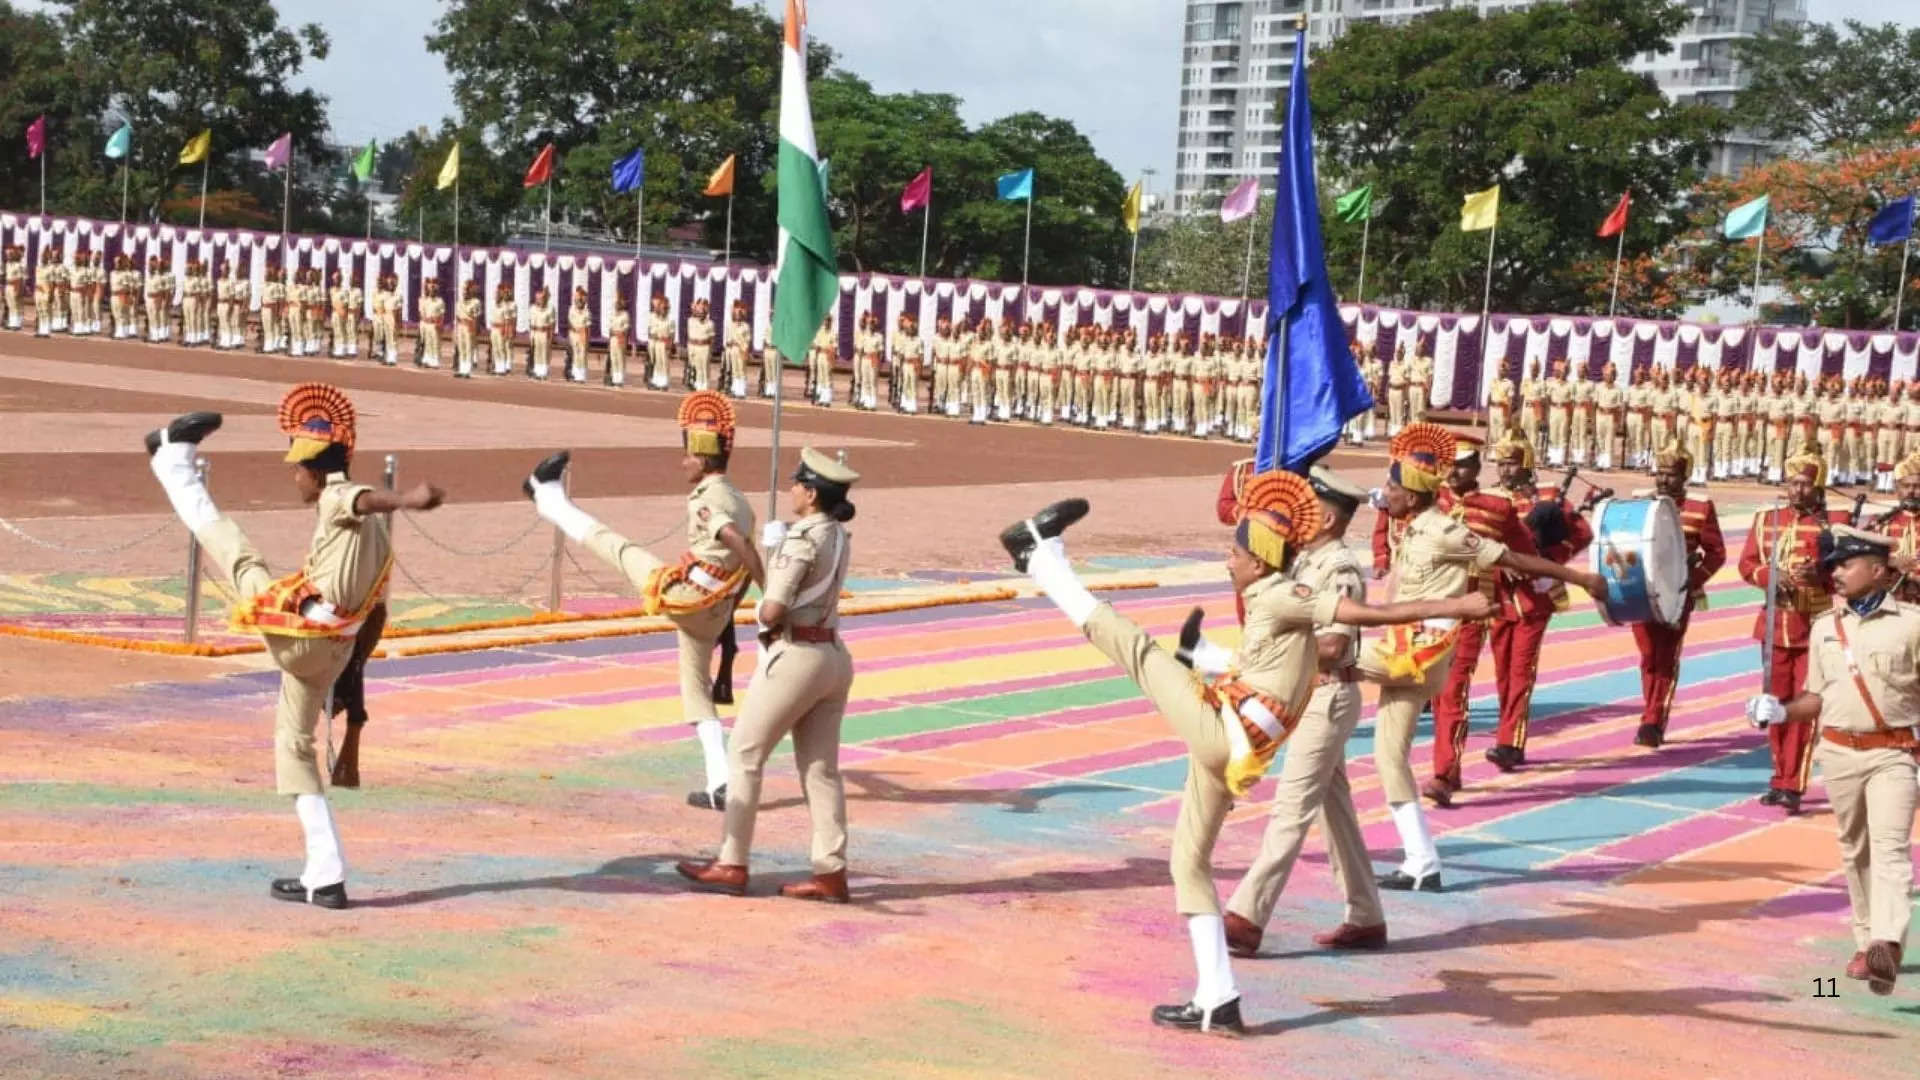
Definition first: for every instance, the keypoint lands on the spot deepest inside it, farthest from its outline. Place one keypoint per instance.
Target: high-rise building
(1237, 61)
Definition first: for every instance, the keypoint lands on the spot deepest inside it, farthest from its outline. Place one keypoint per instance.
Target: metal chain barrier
(113, 550)
(478, 553)
(512, 595)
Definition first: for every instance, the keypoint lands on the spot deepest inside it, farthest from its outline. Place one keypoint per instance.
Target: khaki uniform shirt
(579, 318)
(1331, 570)
(1886, 646)
(712, 505)
(540, 316)
(349, 550)
(1438, 556)
(619, 324)
(1278, 655)
(811, 565)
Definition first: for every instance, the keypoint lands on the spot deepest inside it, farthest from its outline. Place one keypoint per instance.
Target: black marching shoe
(1789, 801)
(709, 800)
(1649, 736)
(327, 896)
(190, 428)
(1507, 758)
(1189, 636)
(547, 471)
(1402, 881)
(1771, 798)
(1049, 523)
(1223, 1018)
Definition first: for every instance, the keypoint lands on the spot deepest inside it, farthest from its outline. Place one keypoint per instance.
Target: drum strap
(1859, 683)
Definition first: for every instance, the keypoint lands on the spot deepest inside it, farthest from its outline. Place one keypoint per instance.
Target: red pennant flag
(1617, 221)
(918, 192)
(37, 138)
(542, 169)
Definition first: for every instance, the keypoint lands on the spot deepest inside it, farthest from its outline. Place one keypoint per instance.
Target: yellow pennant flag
(450, 171)
(196, 149)
(721, 182)
(1481, 210)
(1130, 210)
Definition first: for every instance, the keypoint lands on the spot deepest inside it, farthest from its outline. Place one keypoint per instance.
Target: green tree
(1077, 234)
(1536, 100)
(1830, 86)
(174, 67)
(1200, 253)
(37, 78)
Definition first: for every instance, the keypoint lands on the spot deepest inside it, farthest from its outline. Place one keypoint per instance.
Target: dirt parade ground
(1610, 910)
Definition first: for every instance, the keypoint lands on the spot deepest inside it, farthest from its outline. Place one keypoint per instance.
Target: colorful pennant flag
(37, 138)
(1746, 221)
(1130, 210)
(120, 142)
(449, 172)
(1016, 185)
(1480, 210)
(1241, 202)
(1893, 224)
(630, 171)
(541, 170)
(808, 282)
(196, 149)
(1616, 222)
(1355, 206)
(918, 192)
(721, 182)
(280, 152)
(363, 163)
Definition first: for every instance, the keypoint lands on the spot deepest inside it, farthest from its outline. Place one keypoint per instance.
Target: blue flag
(1893, 224)
(1017, 185)
(630, 171)
(1312, 386)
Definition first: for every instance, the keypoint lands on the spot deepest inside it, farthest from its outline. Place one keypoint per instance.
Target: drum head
(1665, 554)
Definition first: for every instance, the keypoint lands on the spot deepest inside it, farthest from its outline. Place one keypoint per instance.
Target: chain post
(193, 570)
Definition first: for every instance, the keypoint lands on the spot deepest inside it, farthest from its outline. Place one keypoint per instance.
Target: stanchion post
(193, 572)
(559, 550)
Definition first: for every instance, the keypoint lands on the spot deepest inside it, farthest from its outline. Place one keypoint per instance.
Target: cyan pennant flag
(1746, 221)
(630, 171)
(1017, 185)
(1893, 224)
(1312, 387)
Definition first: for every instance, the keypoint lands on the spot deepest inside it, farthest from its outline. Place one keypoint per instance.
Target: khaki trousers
(577, 354)
(1396, 717)
(977, 386)
(1102, 397)
(1417, 394)
(617, 360)
(700, 363)
(800, 690)
(308, 666)
(429, 335)
(1182, 391)
(698, 631)
(1603, 442)
(733, 366)
(1726, 443)
(542, 342)
(1003, 388)
(499, 351)
(906, 384)
(1872, 792)
(1313, 786)
(1176, 695)
(659, 360)
(1156, 408)
(1397, 406)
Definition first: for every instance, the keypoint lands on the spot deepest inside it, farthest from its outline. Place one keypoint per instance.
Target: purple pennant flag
(1240, 202)
(280, 152)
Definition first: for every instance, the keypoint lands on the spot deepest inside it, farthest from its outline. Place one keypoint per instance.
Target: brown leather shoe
(1883, 966)
(1439, 791)
(830, 888)
(1857, 967)
(1243, 938)
(1349, 936)
(714, 876)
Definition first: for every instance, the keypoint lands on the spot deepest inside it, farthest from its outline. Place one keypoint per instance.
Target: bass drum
(1640, 550)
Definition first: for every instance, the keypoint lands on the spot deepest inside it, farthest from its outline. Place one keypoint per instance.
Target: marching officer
(799, 688)
(1866, 712)
(619, 334)
(1490, 515)
(907, 348)
(1580, 428)
(1610, 406)
(503, 325)
(540, 322)
(579, 332)
(466, 330)
(1558, 392)
(1782, 554)
(430, 308)
(1659, 643)
(734, 353)
(660, 338)
(697, 368)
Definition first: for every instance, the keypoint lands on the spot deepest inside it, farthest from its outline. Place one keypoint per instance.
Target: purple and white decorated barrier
(1467, 358)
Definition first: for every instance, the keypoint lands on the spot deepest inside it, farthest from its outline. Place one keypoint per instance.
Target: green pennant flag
(363, 164)
(1355, 205)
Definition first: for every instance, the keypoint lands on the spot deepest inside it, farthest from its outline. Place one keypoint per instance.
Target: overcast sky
(1110, 66)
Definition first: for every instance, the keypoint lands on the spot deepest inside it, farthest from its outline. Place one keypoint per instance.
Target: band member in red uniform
(1489, 514)
(1789, 536)
(1902, 526)
(1706, 553)
(1559, 533)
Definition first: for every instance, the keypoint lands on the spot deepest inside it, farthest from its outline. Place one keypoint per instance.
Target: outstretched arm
(1535, 566)
(1471, 606)
(421, 496)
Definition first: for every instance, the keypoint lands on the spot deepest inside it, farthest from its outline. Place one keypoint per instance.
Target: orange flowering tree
(1816, 247)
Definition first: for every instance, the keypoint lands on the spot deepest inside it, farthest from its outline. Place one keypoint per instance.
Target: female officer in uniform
(799, 688)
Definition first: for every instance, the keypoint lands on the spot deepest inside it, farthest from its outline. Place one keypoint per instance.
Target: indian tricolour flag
(806, 283)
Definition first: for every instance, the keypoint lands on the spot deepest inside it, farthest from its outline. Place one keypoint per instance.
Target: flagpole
(1900, 293)
(1246, 268)
(926, 220)
(546, 244)
(1759, 249)
(1131, 257)
(124, 180)
(203, 189)
(1366, 227)
(639, 215)
(43, 179)
(726, 252)
(1026, 251)
(1486, 306)
(1619, 251)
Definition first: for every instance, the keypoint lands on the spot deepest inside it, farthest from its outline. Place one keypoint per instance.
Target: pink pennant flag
(918, 192)
(280, 152)
(1241, 201)
(37, 138)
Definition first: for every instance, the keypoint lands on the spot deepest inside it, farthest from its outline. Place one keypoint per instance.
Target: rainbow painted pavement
(1611, 911)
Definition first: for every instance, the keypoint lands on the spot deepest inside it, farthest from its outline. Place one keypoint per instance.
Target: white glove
(773, 533)
(551, 502)
(1765, 709)
(1210, 659)
(1544, 584)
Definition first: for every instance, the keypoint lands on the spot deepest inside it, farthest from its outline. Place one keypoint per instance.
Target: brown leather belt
(811, 635)
(1896, 739)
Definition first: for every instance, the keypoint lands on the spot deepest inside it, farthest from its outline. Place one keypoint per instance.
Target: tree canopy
(1825, 86)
